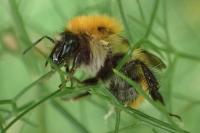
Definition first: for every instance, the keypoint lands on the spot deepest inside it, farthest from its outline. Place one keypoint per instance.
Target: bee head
(66, 46)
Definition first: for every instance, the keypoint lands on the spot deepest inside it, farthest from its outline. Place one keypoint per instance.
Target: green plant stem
(6, 101)
(152, 121)
(9, 101)
(138, 114)
(154, 130)
(152, 19)
(117, 123)
(5, 110)
(170, 74)
(171, 50)
(30, 123)
(175, 52)
(22, 34)
(57, 68)
(41, 112)
(68, 116)
(124, 19)
(128, 54)
(124, 128)
(172, 62)
(187, 56)
(138, 44)
(141, 11)
(142, 25)
(18, 117)
(23, 91)
(19, 23)
(165, 24)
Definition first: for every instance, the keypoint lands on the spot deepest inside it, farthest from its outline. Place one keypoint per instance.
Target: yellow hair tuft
(90, 24)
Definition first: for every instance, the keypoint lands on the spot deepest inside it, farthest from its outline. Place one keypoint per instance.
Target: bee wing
(120, 44)
(148, 59)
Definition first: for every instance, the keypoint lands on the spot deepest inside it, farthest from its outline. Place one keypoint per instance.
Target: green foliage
(152, 25)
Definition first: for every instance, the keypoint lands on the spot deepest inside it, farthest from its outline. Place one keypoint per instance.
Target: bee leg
(90, 81)
(153, 87)
(139, 72)
(39, 40)
(82, 95)
(77, 97)
(152, 82)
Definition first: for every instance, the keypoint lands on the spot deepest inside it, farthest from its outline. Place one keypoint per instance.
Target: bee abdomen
(141, 74)
(122, 90)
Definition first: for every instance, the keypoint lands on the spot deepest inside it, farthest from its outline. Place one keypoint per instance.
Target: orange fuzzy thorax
(90, 25)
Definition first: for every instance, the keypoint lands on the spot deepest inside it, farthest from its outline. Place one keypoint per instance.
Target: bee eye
(70, 46)
(65, 48)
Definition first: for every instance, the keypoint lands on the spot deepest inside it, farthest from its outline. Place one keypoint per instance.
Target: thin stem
(57, 68)
(142, 25)
(32, 124)
(125, 128)
(124, 19)
(138, 114)
(185, 98)
(153, 121)
(22, 33)
(68, 116)
(152, 19)
(175, 52)
(171, 62)
(117, 123)
(6, 101)
(9, 101)
(23, 91)
(141, 11)
(170, 74)
(18, 117)
(187, 56)
(19, 22)
(5, 110)
(154, 130)
(128, 54)
(165, 24)
(41, 112)
(138, 44)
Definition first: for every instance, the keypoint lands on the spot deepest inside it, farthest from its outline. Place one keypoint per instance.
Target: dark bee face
(65, 48)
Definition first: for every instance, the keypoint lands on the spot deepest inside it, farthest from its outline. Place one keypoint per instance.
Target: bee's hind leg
(139, 72)
(152, 83)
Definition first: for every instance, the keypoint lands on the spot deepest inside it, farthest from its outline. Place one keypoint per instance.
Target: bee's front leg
(90, 81)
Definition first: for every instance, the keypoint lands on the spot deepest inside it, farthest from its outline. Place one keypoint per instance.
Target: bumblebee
(94, 44)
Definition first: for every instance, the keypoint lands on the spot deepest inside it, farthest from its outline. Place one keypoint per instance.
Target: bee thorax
(98, 53)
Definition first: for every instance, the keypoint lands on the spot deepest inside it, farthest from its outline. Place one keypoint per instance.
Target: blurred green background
(174, 36)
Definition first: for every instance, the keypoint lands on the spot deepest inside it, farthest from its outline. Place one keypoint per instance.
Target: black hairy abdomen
(120, 88)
